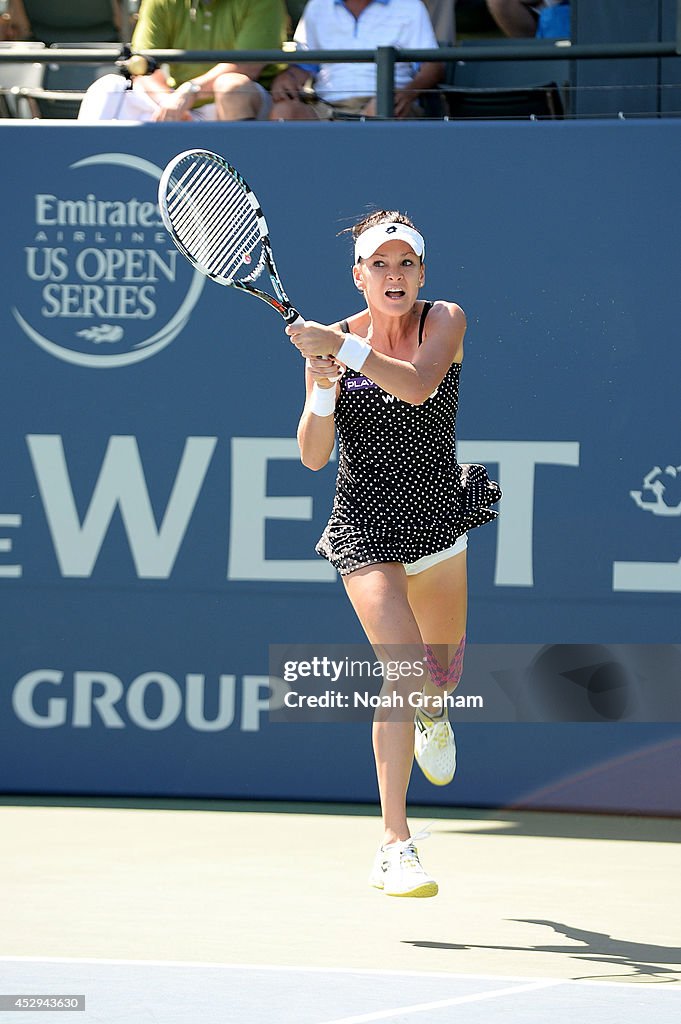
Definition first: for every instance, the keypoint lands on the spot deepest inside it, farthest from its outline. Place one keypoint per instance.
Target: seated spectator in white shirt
(351, 88)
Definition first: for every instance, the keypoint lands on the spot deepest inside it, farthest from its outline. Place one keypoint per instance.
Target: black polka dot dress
(400, 493)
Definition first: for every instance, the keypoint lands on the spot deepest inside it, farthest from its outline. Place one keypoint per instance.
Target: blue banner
(157, 529)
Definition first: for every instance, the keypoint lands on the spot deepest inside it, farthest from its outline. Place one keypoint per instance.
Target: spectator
(295, 9)
(14, 23)
(554, 21)
(226, 92)
(522, 18)
(442, 17)
(351, 88)
(52, 21)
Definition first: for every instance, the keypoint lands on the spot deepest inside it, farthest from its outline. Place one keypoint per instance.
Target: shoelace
(407, 850)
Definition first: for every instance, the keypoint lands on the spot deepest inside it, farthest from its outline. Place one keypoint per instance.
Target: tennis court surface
(225, 912)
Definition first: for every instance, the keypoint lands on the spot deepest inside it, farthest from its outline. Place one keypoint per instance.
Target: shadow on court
(564, 825)
(170, 885)
(500, 822)
(644, 960)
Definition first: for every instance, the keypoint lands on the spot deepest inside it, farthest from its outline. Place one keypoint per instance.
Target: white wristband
(322, 401)
(353, 352)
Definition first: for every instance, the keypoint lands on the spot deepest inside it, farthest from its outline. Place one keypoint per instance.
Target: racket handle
(293, 317)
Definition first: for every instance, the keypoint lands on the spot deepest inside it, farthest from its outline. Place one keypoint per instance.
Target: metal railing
(385, 57)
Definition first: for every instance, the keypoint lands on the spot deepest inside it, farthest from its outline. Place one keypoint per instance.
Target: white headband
(371, 239)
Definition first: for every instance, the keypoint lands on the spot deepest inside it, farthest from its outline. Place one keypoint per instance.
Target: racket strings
(205, 200)
(192, 199)
(216, 220)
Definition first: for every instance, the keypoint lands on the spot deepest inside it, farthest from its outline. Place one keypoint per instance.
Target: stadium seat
(538, 101)
(510, 74)
(54, 21)
(14, 77)
(61, 87)
(55, 90)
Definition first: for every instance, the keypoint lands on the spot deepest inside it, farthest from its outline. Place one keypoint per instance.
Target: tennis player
(403, 505)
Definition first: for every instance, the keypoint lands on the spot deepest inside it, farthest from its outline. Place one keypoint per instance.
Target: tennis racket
(216, 221)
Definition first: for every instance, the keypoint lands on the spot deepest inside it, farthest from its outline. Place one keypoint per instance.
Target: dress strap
(427, 306)
(344, 327)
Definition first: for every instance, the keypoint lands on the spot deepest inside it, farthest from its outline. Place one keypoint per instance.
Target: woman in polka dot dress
(403, 505)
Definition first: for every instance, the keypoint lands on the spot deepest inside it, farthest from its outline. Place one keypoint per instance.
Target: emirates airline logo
(108, 288)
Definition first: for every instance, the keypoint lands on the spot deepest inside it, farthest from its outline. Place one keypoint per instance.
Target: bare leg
(237, 98)
(379, 596)
(292, 110)
(400, 613)
(438, 598)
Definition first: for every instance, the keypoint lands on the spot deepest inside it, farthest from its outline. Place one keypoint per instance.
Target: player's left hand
(324, 371)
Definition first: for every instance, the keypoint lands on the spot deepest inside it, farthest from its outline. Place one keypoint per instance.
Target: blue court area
(129, 992)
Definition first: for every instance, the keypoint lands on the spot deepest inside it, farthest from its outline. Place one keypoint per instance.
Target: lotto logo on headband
(103, 286)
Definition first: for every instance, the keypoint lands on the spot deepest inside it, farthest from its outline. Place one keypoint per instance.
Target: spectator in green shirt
(195, 92)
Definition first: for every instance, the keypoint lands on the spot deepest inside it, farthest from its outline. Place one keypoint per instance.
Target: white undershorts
(412, 568)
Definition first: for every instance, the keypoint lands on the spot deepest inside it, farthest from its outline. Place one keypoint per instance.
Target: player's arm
(413, 381)
(316, 431)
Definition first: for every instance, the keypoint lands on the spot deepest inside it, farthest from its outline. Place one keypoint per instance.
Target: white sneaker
(398, 872)
(435, 749)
